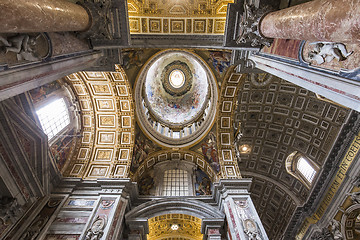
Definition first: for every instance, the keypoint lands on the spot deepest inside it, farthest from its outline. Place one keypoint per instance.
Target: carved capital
(249, 27)
(100, 20)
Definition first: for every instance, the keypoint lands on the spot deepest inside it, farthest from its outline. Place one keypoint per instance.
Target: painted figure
(209, 150)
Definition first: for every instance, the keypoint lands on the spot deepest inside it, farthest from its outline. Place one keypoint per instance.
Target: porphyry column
(42, 16)
(318, 20)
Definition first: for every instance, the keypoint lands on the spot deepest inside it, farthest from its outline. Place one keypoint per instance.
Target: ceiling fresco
(168, 107)
(175, 117)
(177, 17)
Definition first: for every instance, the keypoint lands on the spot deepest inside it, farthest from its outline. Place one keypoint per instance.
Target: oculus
(177, 78)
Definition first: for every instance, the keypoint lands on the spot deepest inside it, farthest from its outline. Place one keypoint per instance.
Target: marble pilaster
(242, 218)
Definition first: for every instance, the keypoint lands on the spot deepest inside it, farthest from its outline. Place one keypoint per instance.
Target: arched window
(53, 117)
(306, 169)
(176, 183)
(56, 107)
(301, 168)
(174, 178)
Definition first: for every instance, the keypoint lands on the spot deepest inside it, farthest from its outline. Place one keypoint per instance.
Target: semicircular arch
(185, 155)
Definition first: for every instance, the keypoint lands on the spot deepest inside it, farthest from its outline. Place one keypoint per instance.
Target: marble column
(318, 20)
(42, 16)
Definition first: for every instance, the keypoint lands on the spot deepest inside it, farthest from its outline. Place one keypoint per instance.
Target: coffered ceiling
(278, 118)
(177, 17)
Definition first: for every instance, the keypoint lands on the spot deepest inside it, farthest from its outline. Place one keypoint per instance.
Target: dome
(176, 88)
(178, 91)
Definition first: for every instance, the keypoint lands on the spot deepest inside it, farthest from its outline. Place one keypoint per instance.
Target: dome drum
(178, 91)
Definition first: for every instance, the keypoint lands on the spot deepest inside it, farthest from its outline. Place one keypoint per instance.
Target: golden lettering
(334, 187)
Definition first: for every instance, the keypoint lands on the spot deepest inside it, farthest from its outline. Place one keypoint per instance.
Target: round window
(177, 78)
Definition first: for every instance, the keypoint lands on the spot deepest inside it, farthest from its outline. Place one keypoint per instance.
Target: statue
(22, 45)
(335, 230)
(355, 197)
(327, 51)
(10, 210)
(237, 137)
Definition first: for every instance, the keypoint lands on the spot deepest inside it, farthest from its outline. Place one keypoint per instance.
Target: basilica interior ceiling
(177, 17)
(275, 117)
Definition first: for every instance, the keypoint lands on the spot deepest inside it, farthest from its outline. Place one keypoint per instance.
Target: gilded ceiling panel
(177, 17)
(225, 123)
(164, 155)
(107, 125)
(175, 226)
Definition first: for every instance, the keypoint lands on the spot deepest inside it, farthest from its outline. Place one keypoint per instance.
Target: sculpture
(327, 51)
(10, 210)
(237, 137)
(22, 45)
(250, 230)
(96, 231)
(355, 197)
(249, 26)
(335, 230)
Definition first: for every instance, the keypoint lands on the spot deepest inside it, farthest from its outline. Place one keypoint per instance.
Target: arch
(107, 111)
(174, 205)
(137, 218)
(165, 155)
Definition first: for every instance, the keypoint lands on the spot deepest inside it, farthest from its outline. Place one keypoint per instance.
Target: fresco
(142, 148)
(202, 183)
(132, 58)
(62, 148)
(146, 184)
(220, 60)
(40, 93)
(209, 150)
(171, 109)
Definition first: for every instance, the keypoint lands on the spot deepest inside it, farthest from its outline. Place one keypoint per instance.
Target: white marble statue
(22, 45)
(355, 197)
(335, 230)
(327, 51)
